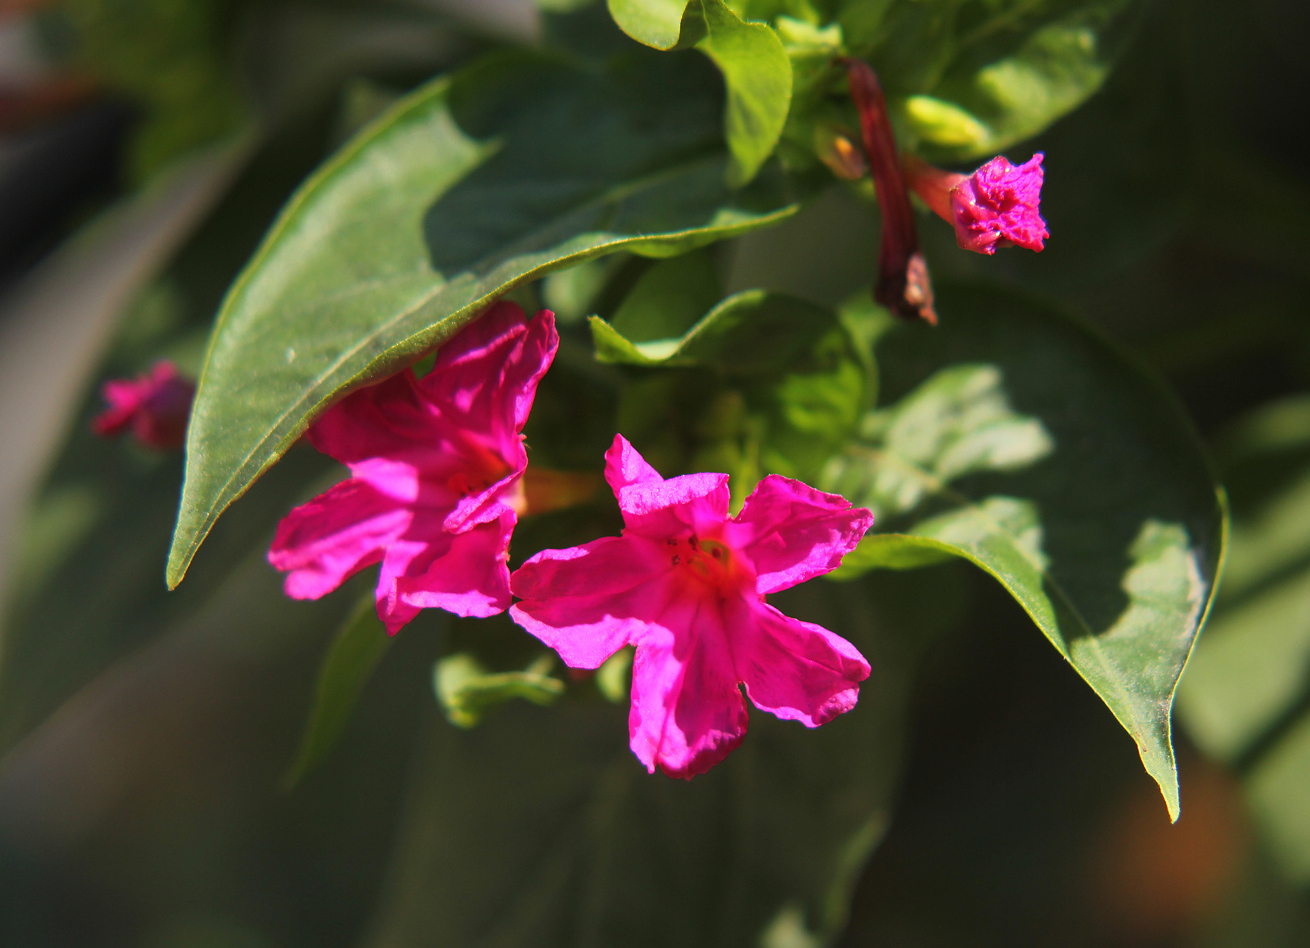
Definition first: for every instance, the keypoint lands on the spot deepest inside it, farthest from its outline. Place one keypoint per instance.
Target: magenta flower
(999, 205)
(685, 584)
(436, 477)
(154, 406)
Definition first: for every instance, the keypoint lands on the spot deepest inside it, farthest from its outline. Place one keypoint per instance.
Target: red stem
(903, 285)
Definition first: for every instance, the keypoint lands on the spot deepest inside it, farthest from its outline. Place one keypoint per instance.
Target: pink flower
(154, 406)
(435, 488)
(685, 584)
(998, 205)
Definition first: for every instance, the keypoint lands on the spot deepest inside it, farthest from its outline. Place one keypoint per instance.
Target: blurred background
(145, 146)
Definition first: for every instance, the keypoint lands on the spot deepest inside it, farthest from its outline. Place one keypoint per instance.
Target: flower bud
(997, 206)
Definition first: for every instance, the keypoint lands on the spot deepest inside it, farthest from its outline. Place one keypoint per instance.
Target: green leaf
(758, 76)
(1246, 697)
(540, 828)
(467, 690)
(762, 383)
(1017, 70)
(753, 332)
(350, 661)
(667, 300)
(656, 23)
(1019, 441)
(755, 67)
(465, 189)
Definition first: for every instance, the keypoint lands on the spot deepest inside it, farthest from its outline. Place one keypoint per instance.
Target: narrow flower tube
(999, 205)
(154, 407)
(903, 284)
(436, 481)
(686, 584)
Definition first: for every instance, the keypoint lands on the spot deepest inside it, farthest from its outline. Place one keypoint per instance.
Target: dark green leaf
(467, 188)
(1019, 441)
(350, 661)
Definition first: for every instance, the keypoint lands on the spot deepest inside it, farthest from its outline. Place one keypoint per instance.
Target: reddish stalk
(903, 284)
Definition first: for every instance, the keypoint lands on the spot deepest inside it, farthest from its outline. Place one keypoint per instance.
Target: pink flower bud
(997, 206)
(154, 406)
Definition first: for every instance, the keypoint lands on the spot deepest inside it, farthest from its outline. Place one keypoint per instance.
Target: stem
(903, 284)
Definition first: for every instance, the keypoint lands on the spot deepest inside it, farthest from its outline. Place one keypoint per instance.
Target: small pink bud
(154, 406)
(997, 206)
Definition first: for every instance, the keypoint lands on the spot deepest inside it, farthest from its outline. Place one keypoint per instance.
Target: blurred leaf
(1024, 444)
(350, 661)
(1019, 70)
(173, 57)
(467, 188)
(541, 829)
(85, 590)
(1246, 697)
(467, 690)
(656, 23)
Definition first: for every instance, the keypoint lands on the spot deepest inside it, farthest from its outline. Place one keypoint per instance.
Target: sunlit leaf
(463, 190)
(1021, 442)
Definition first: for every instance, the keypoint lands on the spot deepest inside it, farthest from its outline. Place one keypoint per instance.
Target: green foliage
(777, 386)
(755, 67)
(173, 57)
(350, 661)
(424, 219)
(1022, 443)
(1246, 697)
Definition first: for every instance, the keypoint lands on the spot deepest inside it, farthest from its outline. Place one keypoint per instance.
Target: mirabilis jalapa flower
(436, 470)
(153, 406)
(685, 583)
(999, 205)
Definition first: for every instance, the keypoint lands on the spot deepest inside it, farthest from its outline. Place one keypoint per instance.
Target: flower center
(709, 561)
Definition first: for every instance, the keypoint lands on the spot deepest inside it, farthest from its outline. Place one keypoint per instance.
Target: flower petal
(792, 532)
(687, 712)
(999, 205)
(589, 601)
(339, 532)
(795, 670)
(624, 466)
(394, 428)
(486, 376)
(463, 573)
